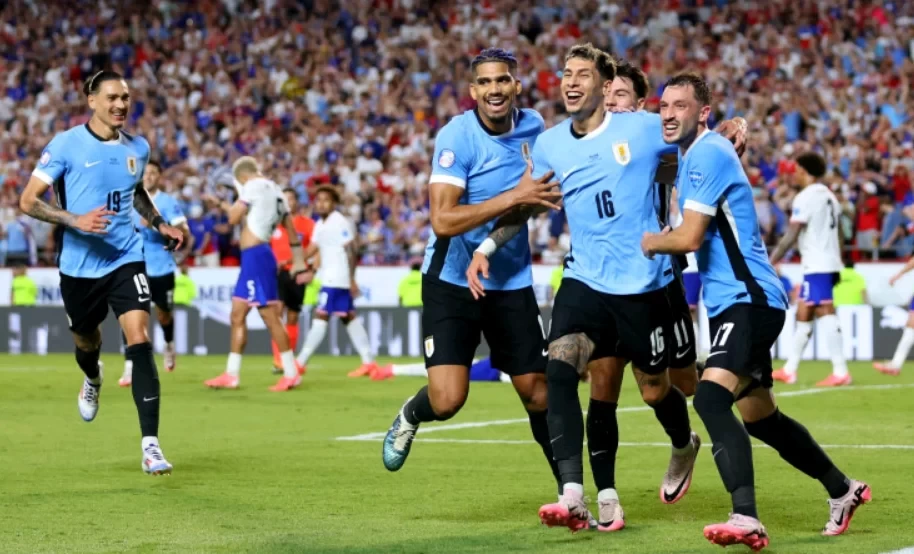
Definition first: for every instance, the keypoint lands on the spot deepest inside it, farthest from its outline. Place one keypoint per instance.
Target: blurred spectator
(24, 288)
(410, 288)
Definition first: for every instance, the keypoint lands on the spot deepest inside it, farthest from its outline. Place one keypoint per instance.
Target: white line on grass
(477, 424)
(908, 550)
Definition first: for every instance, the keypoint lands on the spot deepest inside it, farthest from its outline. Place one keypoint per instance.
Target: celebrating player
(746, 304)
(814, 222)
(479, 156)
(96, 170)
(335, 240)
(291, 292)
(160, 264)
(265, 205)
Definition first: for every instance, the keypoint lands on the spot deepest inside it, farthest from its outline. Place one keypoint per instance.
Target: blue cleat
(398, 441)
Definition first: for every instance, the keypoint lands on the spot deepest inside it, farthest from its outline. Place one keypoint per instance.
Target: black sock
(602, 442)
(540, 428)
(419, 409)
(145, 387)
(88, 362)
(566, 420)
(673, 414)
(794, 443)
(169, 331)
(731, 447)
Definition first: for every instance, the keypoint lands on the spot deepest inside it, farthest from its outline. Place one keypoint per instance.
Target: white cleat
(171, 357)
(88, 396)
(154, 462)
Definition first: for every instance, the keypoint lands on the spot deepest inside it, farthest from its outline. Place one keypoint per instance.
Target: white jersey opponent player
(265, 205)
(814, 224)
(334, 239)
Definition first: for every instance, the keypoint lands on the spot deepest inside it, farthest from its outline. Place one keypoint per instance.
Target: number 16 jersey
(607, 183)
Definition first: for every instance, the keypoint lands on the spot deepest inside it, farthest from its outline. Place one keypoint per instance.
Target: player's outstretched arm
(30, 202)
(682, 240)
(787, 241)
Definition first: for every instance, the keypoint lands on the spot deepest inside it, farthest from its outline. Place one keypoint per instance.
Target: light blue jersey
(607, 179)
(732, 260)
(484, 165)
(87, 172)
(160, 261)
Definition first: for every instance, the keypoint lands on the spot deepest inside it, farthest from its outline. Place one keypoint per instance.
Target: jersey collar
(700, 136)
(115, 140)
(514, 117)
(607, 116)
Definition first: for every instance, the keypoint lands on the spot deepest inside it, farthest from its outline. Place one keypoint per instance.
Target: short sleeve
(453, 157)
(800, 210)
(707, 173)
(347, 230)
(53, 162)
(173, 213)
(541, 163)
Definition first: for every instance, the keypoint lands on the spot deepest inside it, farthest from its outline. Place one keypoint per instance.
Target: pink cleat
(835, 381)
(886, 369)
(784, 377)
(302, 369)
(842, 509)
(382, 373)
(570, 511)
(124, 382)
(170, 358)
(286, 384)
(739, 529)
(224, 381)
(364, 370)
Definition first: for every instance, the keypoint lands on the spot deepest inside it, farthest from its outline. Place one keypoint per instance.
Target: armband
(487, 248)
(156, 221)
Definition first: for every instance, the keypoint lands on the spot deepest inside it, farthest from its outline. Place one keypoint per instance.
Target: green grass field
(261, 472)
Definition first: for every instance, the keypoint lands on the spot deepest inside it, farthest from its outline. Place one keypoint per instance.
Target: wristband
(487, 248)
(156, 221)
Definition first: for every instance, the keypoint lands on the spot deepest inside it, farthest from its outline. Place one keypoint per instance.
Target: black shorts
(162, 289)
(636, 326)
(741, 341)
(510, 320)
(291, 294)
(683, 332)
(86, 301)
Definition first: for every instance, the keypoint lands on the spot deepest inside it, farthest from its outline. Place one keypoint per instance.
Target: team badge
(45, 158)
(429, 346)
(131, 165)
(525, 151)
(622, 153)
(447, 158)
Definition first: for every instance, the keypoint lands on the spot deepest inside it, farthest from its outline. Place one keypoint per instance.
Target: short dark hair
(331, 190)
(634, 74)
(155, 163)
(91, 86)
(495, 55)
(812, 163)
(699, 86)
(290, 189)
(606, 66)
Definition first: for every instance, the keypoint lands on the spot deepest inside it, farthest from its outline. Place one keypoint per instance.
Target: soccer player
(291, 292)
(893, 367)
(595, 314)
(481, 370)
(160, 264)
(262, 204)
(335, 241)
(479, 156)
(746, 304)
(814, 223)
(96, 170)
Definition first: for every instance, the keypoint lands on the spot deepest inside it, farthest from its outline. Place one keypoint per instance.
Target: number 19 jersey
(607, 183)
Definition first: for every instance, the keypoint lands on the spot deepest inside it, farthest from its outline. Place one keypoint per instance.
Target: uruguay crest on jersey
(131, 164)
(622, 153)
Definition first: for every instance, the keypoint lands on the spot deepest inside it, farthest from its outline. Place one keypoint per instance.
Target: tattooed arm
(143, 204)
(31, 203)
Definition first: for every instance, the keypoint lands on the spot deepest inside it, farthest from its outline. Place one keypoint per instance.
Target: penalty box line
(376, 436)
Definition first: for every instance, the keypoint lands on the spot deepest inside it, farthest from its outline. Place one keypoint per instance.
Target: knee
(654, 394)
(685, 380)
(238, 317)
(533, 393)
(446, 403)
(711, 397)
(90, 342)
(163, 317)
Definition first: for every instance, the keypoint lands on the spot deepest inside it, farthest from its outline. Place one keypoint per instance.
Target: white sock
(832, 328)
(289, 371)
(149, 441)
(128, 369)
(410, 370)
(576, 488)
(359, 338)
(233, 366)
(315, 336)
(903, 348)
(607, 494)
(800, 338)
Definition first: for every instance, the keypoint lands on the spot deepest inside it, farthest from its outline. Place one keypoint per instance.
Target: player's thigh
(606, 374)
(513, 327)
(645, 327)
(129, 295)
(684, 348)
(85, 302)
(741, 341)
(578, 309)
(162, 291)
(451, 325)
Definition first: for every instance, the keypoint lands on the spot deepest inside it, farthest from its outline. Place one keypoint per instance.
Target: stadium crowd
(353, 96)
